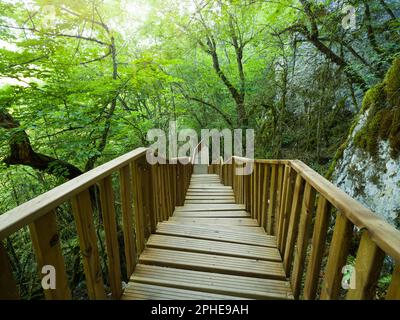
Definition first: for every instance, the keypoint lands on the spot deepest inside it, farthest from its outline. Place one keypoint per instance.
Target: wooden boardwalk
(209, 249)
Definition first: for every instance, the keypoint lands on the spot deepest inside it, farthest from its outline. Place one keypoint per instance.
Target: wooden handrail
(149, 194)
(28, 212)
(285, 197)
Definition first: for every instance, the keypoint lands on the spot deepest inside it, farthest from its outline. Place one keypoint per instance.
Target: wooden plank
(83, 215)
(8, 286)
(368, 265)
(127, 219)
(216, 221)
(317, 248)
(111, 236)
(213, 263)
(307, 212)
(213, 247)
(142, 291)
(338, 252)
(293, 224)
(210, 197)
(28, 212)
(46, 244)
(213, 214)
(210, 207)
(215, 283)
(220, 226)
(393, 292)
(211, 201)
(272, 201)
(227, 236)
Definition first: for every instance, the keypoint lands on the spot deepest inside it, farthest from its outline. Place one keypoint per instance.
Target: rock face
(367, 167)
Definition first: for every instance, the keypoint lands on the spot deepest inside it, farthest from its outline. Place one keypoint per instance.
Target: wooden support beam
(83, 214)
(46, 244)
(111, 235)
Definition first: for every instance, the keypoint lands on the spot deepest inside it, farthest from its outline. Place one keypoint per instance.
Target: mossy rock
(383, 122)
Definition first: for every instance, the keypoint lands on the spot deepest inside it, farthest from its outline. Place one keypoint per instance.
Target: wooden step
(213, 247)
(219, 235)
(210, 202)
(213, 263)
(212, 214)
(210, 197)
(240, 222)
(210, 207)
(142, 291)
(239, 286)
(242, 229)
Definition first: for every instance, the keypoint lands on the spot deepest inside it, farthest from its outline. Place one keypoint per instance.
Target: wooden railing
(148, 195)
(301, 208)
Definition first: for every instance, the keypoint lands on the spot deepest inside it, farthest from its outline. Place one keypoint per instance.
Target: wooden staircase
(280, 231)
(209, 249)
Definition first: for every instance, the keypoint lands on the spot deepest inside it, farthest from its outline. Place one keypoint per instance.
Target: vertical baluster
(272, 200)
(290, 190)
(127, 219)
(282, 206)
(46, 243)
(368, 265)
(317, 248)
(8, 286)
(265, 199)
(279, 194)
(307, 211)
(338, 252)
(111, 235)
(293, 224)
(260, 176)
(138, 205)
(393, 292)
(83, 215)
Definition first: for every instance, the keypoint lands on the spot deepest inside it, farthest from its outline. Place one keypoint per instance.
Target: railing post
(46, 243)
(8, 286)
(111, 236)
(286, 207)
(83, 214)
(293, 224)
(127, 219)
(338, 251)
(368, 265)
(393, 292)
(279, 193)
(317, 248)
(272, 200)
(265, 196)
(307, 211)
(138, 205)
